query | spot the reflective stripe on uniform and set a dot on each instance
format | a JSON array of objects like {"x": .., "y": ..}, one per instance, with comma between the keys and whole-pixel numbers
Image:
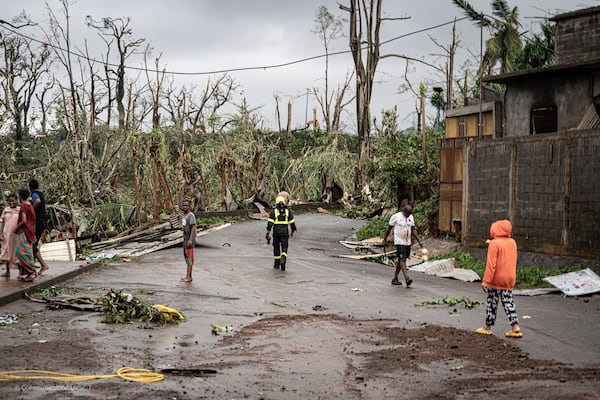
[{"x": 277, "y": 221}]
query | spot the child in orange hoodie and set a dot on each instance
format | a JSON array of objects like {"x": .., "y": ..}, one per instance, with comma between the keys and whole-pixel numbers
[{"x": 499, "y": 278}]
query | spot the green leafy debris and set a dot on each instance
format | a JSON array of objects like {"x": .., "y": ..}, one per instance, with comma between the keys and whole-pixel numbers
[
  {"x": 451, "y": 301},
  {"x": 47, "y": 292},
  {"x": 123, "y": 308}
]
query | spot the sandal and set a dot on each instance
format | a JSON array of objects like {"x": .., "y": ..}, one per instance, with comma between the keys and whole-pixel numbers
[
  {"x": 30, "y": 277},
  {"x": 5, "y": 275},
  {"x": 514, "y": 334},
  {"x": 483, "y": 331}
]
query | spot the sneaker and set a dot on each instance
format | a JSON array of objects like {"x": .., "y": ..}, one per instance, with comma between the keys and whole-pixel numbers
[
  {"x": 396, "y": 282},
  {"x": 408, "y": 282}
]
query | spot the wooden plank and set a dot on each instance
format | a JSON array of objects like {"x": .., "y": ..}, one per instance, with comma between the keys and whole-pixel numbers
[
  {"x": 367, "y": 256},
  {"x": 445, "y": 216},
  {"x": 166, "y": 240},
  {"x": 63, "y": 250}
]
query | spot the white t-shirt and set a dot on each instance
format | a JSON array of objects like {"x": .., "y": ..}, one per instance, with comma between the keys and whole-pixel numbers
[{"x": 402, "y": 228}]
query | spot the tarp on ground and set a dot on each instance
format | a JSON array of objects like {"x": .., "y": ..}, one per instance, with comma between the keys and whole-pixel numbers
[{"x": 577, "y": 283}]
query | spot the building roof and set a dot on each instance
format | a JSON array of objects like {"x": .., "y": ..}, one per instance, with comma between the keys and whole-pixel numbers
[
  {"x": 576, "y": 13},
  {"x": 528, "y": 73},
  {"x": 469, "y": 110}
]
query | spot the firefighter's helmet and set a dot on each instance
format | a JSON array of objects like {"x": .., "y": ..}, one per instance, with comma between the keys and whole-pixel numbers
[{"x": 280, "y": 200}]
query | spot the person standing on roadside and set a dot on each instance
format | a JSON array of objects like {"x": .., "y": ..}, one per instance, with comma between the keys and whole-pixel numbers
[
  {"x": 39, "y": 205},
  {"x": 279, "y": 219},
  {"x": 188, "y": 224},
  {"x": 25, "y": 231},
  {"x": 403, "y": 224},
  {"x": 500, "y": 277},
  {"x": 9, "y": 219}
]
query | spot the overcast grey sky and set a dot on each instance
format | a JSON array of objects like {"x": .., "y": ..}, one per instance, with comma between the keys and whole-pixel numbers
[{"x": 208, "y": 35}]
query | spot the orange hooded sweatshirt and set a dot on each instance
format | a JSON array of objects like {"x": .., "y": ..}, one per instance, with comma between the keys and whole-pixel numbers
[{"x": 501, "y": 265}]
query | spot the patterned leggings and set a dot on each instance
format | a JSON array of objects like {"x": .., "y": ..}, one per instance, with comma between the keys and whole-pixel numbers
[{"x": 492, "y": 305}]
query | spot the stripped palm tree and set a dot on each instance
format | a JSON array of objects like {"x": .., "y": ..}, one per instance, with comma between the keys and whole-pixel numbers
[{"x": 505, "y": 44}]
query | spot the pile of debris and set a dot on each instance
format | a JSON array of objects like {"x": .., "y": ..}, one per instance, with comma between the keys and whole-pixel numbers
[{"x": 374, "y": 250}]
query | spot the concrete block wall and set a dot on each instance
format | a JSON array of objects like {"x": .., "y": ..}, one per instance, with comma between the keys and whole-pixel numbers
[
  {"x": 547, "y": 185},
  {"x": 584, "y": 203},
  {"x": 577, "y": 37},
  {"x": 539, "y": 201},
  {"x": 488, "y": 188}
]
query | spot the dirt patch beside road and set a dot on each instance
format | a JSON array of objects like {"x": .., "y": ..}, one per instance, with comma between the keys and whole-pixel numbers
[
  {"x": 322, "y": 356},
  {"x": 335, "y": 357}
]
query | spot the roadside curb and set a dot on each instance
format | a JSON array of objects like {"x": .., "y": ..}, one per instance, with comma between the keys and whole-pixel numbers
[{"x": 20, "y": 293}]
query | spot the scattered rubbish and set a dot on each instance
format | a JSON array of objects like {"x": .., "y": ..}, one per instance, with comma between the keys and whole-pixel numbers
[
  {"x": 447, "y": 268},
  {"x": 58, "y": 302},
  {"x": 216, "y": 329},
  {"x": 458, "y": 367},
  {"x": 195, "y": 372},
  {"x": 526, "y": 317},
  {"x": 169, "y": 313},
  {"x": 64, "y": 250},
  {"x": 576, "y": 283},
  {"x": 367, "y": 256},
  {"x": 226, "y": 244},
  {"x": 363, "y": 244},
  {"x": 451, "y": 301},
  {"x": 454, "y": 312},
  {"x": 103, "y": 256},
  {"x": 319, "y": 307},
  {"x": 8, "y": 319},
  {"x": 357, "y": 289},
  {"x": 372, "y": 245},
  {"x": 158, "y": 237}
]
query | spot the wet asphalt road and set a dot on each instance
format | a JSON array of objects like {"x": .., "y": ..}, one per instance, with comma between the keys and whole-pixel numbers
[{"x": 236, "y": 285}]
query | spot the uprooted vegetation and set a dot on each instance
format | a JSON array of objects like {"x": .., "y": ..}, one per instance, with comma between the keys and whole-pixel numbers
[
  {"x": 151, "y": 173},
  {"x": 118, "y": 307}
]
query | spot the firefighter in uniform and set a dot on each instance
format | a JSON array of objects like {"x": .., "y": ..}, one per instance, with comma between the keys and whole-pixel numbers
[{"x": 279, "y": 219}]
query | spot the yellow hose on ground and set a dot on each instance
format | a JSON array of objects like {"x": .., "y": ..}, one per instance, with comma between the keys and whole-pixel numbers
[{"x": 125, "y": 373}]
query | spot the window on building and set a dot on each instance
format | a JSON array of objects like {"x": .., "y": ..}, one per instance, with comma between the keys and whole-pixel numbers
[
  {"x": 462, "y": 129},
  {"x": 543, "y": 120}
]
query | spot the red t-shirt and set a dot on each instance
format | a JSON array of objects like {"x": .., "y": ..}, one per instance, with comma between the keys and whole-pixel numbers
[{"x": 29, "y": 227}]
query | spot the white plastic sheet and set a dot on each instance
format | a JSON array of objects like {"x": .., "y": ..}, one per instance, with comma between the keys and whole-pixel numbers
[{"x": 576, "y": 283}]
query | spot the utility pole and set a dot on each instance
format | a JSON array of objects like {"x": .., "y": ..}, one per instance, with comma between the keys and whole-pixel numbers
[
  {"x": 306, "y": 111},
  {"x": 439, "y": 91},
  {"x": 423, "y": 127},
  {"x": 480, "y": 119}
]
